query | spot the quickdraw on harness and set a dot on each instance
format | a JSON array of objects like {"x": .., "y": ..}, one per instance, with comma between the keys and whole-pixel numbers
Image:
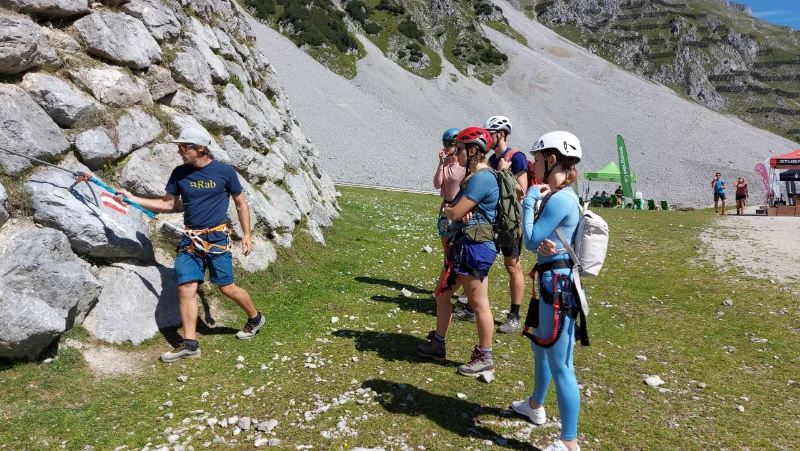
[{"x": 201, "y": 247}]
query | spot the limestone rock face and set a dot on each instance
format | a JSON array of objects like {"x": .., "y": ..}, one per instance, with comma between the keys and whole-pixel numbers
[
  {"x": 189, "y": 68},
  {"x": 70, "y": 207},
  {"x": 119, "y": 38},
  {"x": 160, "y": 82},
  {"x": 23, "y": 46},
  {"x": 136, "y": 129},
  {"x": 148, "y": 170},
  {"x": 44, "y": 290},
  {"x": 135, "y": 303},
  {"x": 159, "y": 20},
  {"x": 96, "y": 148},
  {"x": 55, "y": 9},
  {"x": 65, "y": 106},
  {"x": 26, "y": 129},
  {"x": 210, "y": 114},
  {"x": 112, "y": 86}
]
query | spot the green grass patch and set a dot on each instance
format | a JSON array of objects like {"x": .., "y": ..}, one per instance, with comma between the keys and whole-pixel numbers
[
  {"x": 507, "y": 30},
  {"x": 656, "y": 297}
]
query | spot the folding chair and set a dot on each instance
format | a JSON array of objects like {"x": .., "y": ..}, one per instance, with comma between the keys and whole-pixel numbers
[
  {"x": 664, "y": 205},
  {"x": 651, "y": 204}
]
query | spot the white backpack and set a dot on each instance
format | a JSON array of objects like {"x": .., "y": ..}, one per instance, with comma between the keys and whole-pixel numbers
[{"x": 591, "y": 245}]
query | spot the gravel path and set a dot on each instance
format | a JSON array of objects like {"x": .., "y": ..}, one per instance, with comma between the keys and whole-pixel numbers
[
  {"x": 765, "y": 246},
  {"x": 383, "y": 127}
]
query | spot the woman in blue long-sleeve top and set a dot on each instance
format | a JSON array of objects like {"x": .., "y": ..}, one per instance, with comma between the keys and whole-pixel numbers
[{"x": 551, "y": 320}]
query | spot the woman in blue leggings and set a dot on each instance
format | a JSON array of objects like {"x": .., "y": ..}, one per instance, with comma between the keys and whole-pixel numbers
[{"x": 551, "y": 319}]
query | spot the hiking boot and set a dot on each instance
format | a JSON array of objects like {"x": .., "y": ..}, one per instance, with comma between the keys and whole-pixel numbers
[
  {"x": 464, "y": 315},
  {"x": 537, "y": 416},
  {"x": 463, "y": 299},
  {"x": 511, "y": 325},
  {"x": 249, "y": 330},
  {"x": 558, "y": 445},
  {"x": 480, "y": 362},
  {"x": 181, "y": 352},
  {"x": 433, "y": 348}
]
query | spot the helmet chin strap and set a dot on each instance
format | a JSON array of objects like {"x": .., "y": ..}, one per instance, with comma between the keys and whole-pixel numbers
[{"x": 548, "y": 169}]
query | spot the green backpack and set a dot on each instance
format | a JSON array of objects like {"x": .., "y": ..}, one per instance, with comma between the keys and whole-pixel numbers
[{"x": 508, "y": 222}]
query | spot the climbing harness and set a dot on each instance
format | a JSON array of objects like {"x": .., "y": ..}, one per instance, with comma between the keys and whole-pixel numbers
[{"x": 201, "y": 247}]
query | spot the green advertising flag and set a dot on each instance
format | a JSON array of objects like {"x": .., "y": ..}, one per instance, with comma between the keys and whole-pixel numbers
[{"x": 624, "y": 168}]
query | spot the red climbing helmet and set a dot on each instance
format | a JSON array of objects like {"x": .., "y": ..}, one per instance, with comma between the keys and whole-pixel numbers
[{"x": 475, "y": 135}]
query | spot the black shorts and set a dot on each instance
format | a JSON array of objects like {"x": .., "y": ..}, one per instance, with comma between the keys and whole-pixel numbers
[
  {"x": 512, "y": 251},
  {"x": 718, "y": 196},
  {"x": 741, "y": 196}
]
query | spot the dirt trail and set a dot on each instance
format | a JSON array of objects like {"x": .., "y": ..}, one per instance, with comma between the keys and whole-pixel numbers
[{"x": 767, "y": 247}]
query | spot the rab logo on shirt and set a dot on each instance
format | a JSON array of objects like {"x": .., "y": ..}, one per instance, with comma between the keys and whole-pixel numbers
[{"x": 203, "y": 185}]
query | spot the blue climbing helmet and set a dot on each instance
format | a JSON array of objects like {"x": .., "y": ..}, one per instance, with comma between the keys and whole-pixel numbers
[{"x": 449, "y": 137}]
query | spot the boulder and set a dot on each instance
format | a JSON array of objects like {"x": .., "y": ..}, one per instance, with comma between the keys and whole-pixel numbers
[
  {"x": 4, "y": 215},
  {"x": 259, "y": 259},
  {"x": 119, "y": 38},
  {"x": 314, "y": 231},
  {"x": 64, "y": 105},
  {"x": 62, "y": 41},
  {"x": 267, "y": 167},
  {"x": 234, "y": 99},
  {"x": 190, "y": 68},
  {"x": 45, "y": 290},
  {"x": 61, "y": 203},
  {"x": 23, "y": 46},
  {"x": 300, "y": 188},
  {"x": 225, "y": 45},
  {"x": 136, "y": 129},
  {"x": 112, "y": 86},
  {"x": 96, "y": 148},
  {"x": 147, "y": 172},
  {"x": 160, "y": 82},
  {"x": 262, "y": 212},
  {"x": 273, "y": 116},
  {"x": 217, "y": 152},
  {"x": 211, "y": 115},
  {"x": 286, "y": 147},
  {"x": 215, "y": 65},
  {"x": 137, "y": 301},
  {"x": 51, "y": 9},
  {"x": 282, "y": 200},
  {"x": 159, "y": 20},
  {"x": 25, "y": 128},
  {"x": 320, "y": 213},
  {"x": 204, "y": 32}
]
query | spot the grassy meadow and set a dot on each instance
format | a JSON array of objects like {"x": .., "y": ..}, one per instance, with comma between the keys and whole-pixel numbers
[{"x": 357, "y": 380}]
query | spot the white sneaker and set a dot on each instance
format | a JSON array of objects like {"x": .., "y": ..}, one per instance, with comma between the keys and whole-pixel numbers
[
  {"x": 537, "y": 416},
  {"x": 558, "y": 445}
]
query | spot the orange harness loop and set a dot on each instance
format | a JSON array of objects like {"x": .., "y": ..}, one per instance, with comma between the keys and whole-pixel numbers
[{"x": 201, "y": 247}]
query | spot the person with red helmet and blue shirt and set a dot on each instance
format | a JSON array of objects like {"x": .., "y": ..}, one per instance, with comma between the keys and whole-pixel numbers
[{"x": 471, "y": 254}]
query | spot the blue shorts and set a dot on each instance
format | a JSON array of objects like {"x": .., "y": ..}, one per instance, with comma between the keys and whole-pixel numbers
[
  {"x": 190, "y": 267},
  {"x": 472, "y": 259}
]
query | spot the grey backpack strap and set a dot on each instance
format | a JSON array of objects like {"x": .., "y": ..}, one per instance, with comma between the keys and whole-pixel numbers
[{"x": 576, "y": 271}]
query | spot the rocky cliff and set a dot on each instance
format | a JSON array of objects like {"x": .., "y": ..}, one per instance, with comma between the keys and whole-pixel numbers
[{"x": 102, "y": 88}]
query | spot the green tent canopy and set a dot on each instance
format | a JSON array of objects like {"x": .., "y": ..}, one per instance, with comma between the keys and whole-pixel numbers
[{"x": 610, "y": 173}]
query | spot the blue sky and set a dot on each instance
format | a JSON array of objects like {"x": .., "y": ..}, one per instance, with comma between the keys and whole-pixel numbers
[{"x": 781, "y": 12}]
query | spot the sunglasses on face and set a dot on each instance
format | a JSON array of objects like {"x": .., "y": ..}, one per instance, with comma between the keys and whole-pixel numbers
[{"x": 185, "y": 147}]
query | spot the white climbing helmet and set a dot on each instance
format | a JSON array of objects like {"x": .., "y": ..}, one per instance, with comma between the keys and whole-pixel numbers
[
  {"x": 498, "y": 123},
  {"x": 564, "y": 143}
]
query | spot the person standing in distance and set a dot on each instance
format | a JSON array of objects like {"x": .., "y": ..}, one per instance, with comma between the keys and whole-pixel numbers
[
  {"x": 205, "y": 187},
  {"x": 499, "y": 127},
  {"x": 718, "y": 185},
  {"x": 741, "y": 195}
]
